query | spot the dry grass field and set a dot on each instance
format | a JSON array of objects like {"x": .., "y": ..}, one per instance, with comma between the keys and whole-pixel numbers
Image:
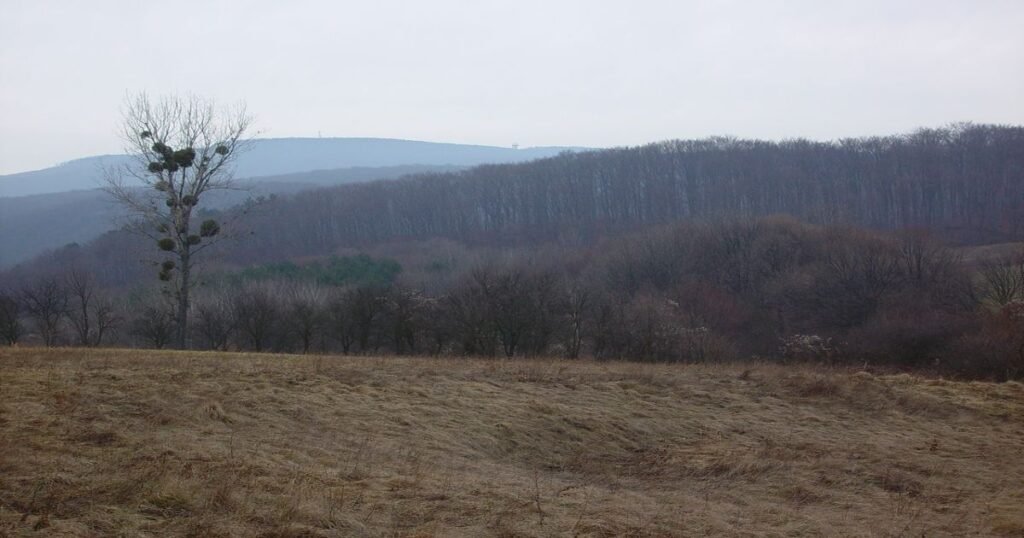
[{"x": 138, "y": 443}]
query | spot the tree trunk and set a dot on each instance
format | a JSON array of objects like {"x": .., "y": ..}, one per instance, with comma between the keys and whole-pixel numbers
[{"x": 181, "y": 339}]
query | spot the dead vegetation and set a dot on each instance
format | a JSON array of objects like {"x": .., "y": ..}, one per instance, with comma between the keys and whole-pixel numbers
[{"x": 123, "y": 442}]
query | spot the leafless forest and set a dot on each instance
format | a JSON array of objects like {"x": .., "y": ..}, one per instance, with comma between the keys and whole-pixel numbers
[
  {"x": 963, "y": 181},
  {"x": 865, "y": 251}
]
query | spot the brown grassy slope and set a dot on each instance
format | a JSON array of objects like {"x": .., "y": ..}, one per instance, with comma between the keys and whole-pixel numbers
[
  {"x": 105, "y": 442},
  {"x": 994, "y": 252}
]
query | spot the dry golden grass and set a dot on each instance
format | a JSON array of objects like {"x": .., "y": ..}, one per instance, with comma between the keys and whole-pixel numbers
[{"x": 134, "y": 443}]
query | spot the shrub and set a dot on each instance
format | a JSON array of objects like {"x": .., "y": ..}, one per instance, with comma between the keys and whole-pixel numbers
[
  {"x": 907, "y": 337},
  {"x": 995, "y": 351},
  {"x": 808, "y": 347}
]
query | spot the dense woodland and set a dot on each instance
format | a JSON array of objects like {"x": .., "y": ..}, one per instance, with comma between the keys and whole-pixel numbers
[{"x": 664, "y": 252}]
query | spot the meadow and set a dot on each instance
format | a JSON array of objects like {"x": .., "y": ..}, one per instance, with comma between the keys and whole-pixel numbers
[{"x": 103, "y": 442}]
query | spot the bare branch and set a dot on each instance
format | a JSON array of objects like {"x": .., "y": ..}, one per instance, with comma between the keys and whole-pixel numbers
[{"x": 182, "y": 148}]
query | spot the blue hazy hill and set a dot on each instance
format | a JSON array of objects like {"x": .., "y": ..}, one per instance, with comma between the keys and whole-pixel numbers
[{"x": 279, "y": 156}]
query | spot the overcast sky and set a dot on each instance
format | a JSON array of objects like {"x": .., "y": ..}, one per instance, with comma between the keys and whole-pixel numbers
[{"x": 593, "y": 73}]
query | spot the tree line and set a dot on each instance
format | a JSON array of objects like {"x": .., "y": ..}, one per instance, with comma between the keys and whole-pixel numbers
[
  {"x": 966, "y": 180},
  {"x": 772, "y": 288}
]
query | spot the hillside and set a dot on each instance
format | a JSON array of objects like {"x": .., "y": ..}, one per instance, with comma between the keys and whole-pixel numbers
[
  {"x": 276, "y": 156},
  {"x": 37, "y": 223},
  {"x": 102, "y": 442},
  {"x": 965, "y": 182}
]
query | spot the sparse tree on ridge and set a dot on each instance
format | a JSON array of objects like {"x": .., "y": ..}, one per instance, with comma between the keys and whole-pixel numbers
[{"x": 183, "y": 148}]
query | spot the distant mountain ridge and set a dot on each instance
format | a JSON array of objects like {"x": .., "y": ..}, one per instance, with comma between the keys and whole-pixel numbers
[
  {"x": 40, "y": 222},
  {"x": 280, "y": 156}
]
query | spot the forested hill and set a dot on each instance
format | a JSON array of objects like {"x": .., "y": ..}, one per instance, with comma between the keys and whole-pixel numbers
[{"x": 966, "y": 180}]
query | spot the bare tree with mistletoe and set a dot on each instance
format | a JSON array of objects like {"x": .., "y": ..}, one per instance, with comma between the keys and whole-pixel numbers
[{"x": 183, "y": 148}]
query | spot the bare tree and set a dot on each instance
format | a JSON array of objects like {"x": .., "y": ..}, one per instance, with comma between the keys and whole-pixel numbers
[
  {"x": 46, "y": 303},
  {"x": 577, "y": 300},
  {"x": 91, "y": 314},
  {"x": 366, "y": 304},
  {"x": 215, "y": 320},
  {"x": 10, "y": 323},
  {"x": 403, "y": 315},
  {"x": 183, "y": 148},
  {"x": 519, "y": 303},
  {"x": 1003, "y": 279},
  {"x": 340, "y": 319},
  {"x": 155, "y": 326},
  {"x": 467, "y": 314},
  {"x": 257, "y": 312},
  {"x": 306, "y": 312}
]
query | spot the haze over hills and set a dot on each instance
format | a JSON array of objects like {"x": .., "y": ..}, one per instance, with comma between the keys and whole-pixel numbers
[
  {"x": 964, "y": 181},
  {"x": 33, "y": 224},
  {"x": 277, "y": 156},
  {"x": 45, "y": 209}
]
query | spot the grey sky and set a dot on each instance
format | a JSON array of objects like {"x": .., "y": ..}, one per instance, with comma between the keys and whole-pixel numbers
[{"x": 595, "y": 73}]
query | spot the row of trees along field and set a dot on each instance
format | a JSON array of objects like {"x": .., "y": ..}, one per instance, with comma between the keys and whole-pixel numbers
[{"x": 773, "y": 288}]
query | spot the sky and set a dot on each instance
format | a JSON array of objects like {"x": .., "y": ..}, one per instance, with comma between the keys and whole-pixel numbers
[{"x": 582, "y": 73}]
